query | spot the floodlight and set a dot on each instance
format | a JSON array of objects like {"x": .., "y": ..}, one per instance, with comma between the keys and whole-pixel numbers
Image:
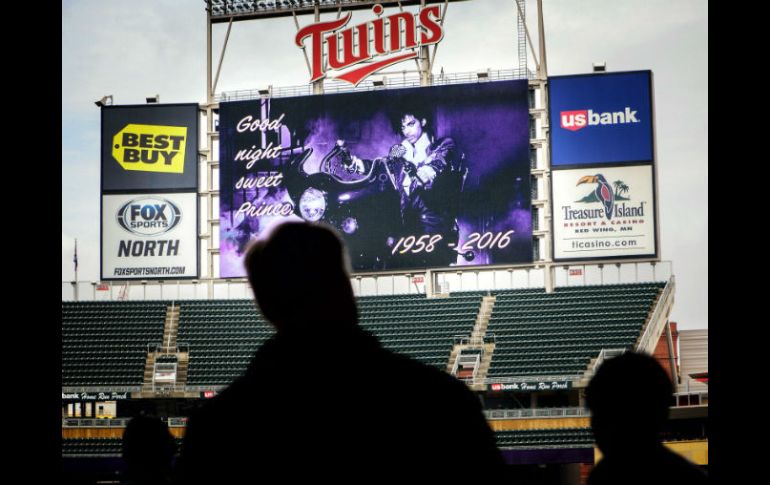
[{"x": 105, "y": 101}]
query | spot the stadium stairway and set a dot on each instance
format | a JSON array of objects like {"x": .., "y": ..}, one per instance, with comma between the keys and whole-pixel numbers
[
  {"x": 471, "y": 360},
  {"x": 168, "y": 353}
]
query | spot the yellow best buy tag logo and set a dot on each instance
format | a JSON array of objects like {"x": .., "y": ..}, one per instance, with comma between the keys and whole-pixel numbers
[{"x": 150, "y": 148}]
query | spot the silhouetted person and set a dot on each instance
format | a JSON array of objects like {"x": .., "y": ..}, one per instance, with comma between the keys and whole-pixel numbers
[
  {"x": 322, "y": 398},
  {"x": 629, "y": 399},
  {"x": 148, "y": 450}
]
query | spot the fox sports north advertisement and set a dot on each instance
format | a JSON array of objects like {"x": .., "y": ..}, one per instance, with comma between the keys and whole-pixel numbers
[{"x": 410, "y": 178}]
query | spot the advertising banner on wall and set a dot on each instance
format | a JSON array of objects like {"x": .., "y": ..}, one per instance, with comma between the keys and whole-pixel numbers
[
  {"x": 411, "y": 178},
  {"x": 530, "y": 386},
  {"x": 150, "y": 147},
  {"x": 604, "y": 212},
  {"x": 149, "y": 236},
  {"x": 601, "y": 118},
  {"x": 95, "y": 396}
]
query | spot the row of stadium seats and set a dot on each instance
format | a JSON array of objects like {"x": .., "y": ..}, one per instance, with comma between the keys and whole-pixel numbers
[
  {"x": 97, "y": 446},
  {"x": 524, "y": 438},
  {"x": 422, "y": 312},
  {"x": 575, "y": 322},
  {"x": 420, "y": 327},
  {"x": 105, "y": 343},
  {"x": 417, "y": 322},
  {"x": 534, "y": 438},
  {"x": 428, "y": 303},
  {"x": 222, "y": 336},
  {"x": 531, "y": 328}
]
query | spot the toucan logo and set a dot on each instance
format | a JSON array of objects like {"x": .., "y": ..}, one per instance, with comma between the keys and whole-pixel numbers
[
  {"x": 150, "y": 148},
  {"x": 579, "y": 119}
]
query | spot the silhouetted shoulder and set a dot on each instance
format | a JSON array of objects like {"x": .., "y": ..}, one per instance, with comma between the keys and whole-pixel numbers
[{"x": 661, "y": 468}]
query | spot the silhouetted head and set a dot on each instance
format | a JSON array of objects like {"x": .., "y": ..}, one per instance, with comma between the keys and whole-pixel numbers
[
  {"x": 148, "y": 448},
  {"x": 300, "y": 279},
  {"x": 629, "y": 399}
]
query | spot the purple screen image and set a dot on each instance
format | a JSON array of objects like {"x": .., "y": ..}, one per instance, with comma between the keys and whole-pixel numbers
[{"x": 410, "y": 178}]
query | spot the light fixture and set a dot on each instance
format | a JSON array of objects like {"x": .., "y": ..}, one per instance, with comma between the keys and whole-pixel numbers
[
  {"x": 105, "y": 101},
  {"x": 378, "y": 82},
  {"x": 483, "y": 75},
  {"x": 153, "y": 99},
  {"x": 264, "y": 90},
  {"x": 600, "y": 66}
]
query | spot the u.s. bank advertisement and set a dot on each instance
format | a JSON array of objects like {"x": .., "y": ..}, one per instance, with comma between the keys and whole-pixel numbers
[
  {"x": 601, "y": 118},
  {"x": 603, "y": 212},
  {"x": 149, "y": 236}
]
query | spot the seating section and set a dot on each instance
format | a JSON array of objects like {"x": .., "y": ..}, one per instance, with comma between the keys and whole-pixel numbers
[
  {"x": 545, "y": 438},
  {"x": 96, "y": 446},
  {"x": 105, "y": 343},
  {"x": 523, "y": 438},
  {"x": 539, "y": 334},
  {"x": 423, "y": 328},
  {"x": 536, "y": 334},
  {"x": 222, "y": 336}
]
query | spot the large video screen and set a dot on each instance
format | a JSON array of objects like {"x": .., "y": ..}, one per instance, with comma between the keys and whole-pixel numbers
[{"x": 411, "y": 178}]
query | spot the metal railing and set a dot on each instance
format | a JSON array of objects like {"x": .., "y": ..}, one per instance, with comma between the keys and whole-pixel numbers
[
  {"x": 94, "y": 423},
  {"x": 604, "y": 354},
  {"x": 224, "y": 9},
  {"x": 216, "y": 388},
  {"x": 461, "y": 278},
  {"x": 649, "y": 337},
  {"x": 394, "y": 81},
  {"x": 702, "y": 398},
  {"x": 177, "y": 422},
  {"x": 509, "y": 380},
  {"x": 97, "y": 389},
  {"x": 536, "y": 413}
]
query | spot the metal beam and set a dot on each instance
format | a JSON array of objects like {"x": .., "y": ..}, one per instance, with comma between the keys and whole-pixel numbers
[
  {"x": 326, "y": 6},
  {"x": 542, "y": 68},
  {"x": 222, "y": 56}
]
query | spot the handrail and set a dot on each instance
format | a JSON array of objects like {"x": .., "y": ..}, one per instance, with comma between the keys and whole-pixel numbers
[
  {"x": 650, "y": 335},
  {"x": 393, "y": 81},
  {"x": 660, "y": 271},
  {"x": 508, "y": 380},
  {"x": 173, "y": 422},
  {"x": 604, "y": 354},
  {"x": 71, "y": 389},
  {"x": 536, "y": 413}
]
